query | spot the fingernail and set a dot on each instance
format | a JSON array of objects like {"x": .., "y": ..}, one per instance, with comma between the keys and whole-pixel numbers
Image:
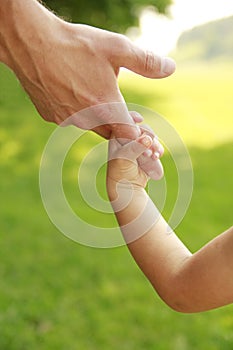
[
  {"x": 156, "y": 155},
  {"x": 161, "y": 150},
  {"x": 168, "y": 65},
  {"x": 146, "y": 141},
  {"x": 156, "y": 143},
  {"x": 148, "y": 153}
]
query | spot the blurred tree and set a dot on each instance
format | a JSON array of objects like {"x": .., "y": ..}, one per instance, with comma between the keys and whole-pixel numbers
[{"x": 115, "y": 15}]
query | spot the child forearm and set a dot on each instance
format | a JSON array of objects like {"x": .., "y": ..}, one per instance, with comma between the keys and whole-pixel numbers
[
  {"x": 158, "y": 252},
  {"x": 186, "y": 282}
]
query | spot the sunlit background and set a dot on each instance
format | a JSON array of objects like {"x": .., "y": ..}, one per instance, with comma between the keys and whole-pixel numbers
[
  {"x": 56, "y": 294},
  {"x": 160, "y": 33},
  {"x": 198, "y": 35}
]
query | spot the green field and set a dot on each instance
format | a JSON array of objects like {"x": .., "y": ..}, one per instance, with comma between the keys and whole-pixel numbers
[{"x": 56, "y": 294}]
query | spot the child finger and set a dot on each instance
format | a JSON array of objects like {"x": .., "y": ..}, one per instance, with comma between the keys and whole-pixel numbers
[
  {"x": 152, "y": 167},
  {"x": 146, "y": 129},
  {"x": 135, "y": 148},
  {"x": 157, "y": 148}
]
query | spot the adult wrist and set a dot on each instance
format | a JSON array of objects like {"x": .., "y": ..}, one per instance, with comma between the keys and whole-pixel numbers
[
  {"x": 4, "y": 11},
  {"x": 24, "y": 27}
]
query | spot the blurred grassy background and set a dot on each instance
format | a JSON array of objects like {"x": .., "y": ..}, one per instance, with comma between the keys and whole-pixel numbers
[{"x": 56, "y": 294}]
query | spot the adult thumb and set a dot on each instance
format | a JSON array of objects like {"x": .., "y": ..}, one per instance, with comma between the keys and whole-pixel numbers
[{"x": 145, "y": 62}]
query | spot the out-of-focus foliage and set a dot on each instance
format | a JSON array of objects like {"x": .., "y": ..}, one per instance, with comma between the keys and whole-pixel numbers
[
  {"x": 56, "y": 294},
  {"x": 211, "y": 41},
  {"x": 116, "y": 15}
]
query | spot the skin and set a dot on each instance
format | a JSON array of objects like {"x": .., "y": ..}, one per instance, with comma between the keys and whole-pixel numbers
[
  {"x": 186, "y": 282},
  {"x": 66, "y": 67}
]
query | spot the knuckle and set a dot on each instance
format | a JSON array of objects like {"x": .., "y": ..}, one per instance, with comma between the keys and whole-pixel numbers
[
  {"x": 57, "y": 119},
  {"x": 152, "y": 62},
  {"x": 121, "y": 41},
  {"x": 119, "y": 46},
  {"x": 145, "y": 128}
]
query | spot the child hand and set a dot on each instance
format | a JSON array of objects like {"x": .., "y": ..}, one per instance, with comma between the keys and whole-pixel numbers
[
  {"x": 122, "y": 160},
  {"x": 149, "y": 160}
]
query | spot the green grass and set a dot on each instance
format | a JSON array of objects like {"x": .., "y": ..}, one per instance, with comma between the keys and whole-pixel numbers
[
  {"x": 56, "y": 294},
  {"x": 197, "y": 100}
]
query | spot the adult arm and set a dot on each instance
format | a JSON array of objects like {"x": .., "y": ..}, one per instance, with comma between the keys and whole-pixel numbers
[
  {"x": 67, "y": 67},
  {"x": 186, "y": 282}
]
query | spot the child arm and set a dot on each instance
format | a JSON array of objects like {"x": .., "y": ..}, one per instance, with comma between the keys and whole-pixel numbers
[{"x": 186, "y": 282}]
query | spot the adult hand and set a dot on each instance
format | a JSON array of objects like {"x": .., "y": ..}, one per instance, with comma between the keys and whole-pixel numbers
[{"x": 66, "y": 68}]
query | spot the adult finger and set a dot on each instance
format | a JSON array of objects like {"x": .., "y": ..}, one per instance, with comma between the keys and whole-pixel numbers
[
  {"x": 107, "y": 118},
  {"x": 143, "y": 62},
  {"x": 105, "y": 130},
  {"x": 118, "y": 118}
]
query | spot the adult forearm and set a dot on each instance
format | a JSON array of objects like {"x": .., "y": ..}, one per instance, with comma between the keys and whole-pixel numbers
[
  {"x": 4, "y": 10},
  {"x": 29, "y": 45},
  {"x": 23, "y": 28}
]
